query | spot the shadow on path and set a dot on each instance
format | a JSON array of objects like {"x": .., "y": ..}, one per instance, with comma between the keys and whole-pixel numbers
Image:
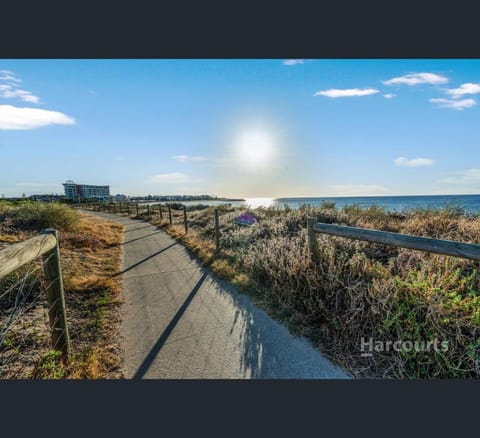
[
  {"x": 139, "y": 238},
  {"x": 144, "y": 260},
  {"x": 143, "y": 368},
  {"x": 138, "y": 228},
  {"x": 268, "y": 350}
]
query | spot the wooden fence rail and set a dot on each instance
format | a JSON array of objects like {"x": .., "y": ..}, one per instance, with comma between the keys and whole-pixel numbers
[
  {"x": 46, "y": 246},
  {"x": 16, "y": 255},
  {"x": 217, "y": 233},
  {"x": 445, "y": 247},
  {"x": 169, "y": 214},
  {"x": 147, "y": 209}
]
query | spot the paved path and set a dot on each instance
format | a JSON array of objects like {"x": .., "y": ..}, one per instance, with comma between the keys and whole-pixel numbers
[{"x": 181, "y": 322}]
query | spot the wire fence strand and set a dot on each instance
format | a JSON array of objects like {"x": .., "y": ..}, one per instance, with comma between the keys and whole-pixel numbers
[{"x": 22, "y": 304}]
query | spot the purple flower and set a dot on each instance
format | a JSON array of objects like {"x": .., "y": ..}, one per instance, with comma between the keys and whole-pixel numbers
[{"x": 245, "y": 219}]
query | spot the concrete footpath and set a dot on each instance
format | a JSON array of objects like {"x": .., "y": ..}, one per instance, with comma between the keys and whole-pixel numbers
[{"x": 179, "y": 322}]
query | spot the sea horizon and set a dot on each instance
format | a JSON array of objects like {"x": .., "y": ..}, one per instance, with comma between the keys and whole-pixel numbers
[{"x": 470, "y": 203}]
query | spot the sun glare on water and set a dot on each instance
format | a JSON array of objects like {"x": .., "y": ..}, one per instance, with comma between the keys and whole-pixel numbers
[{"x": 260, "y": 202}]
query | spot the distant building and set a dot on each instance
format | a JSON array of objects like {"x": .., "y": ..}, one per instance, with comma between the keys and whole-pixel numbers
[{"x": 85, "y": 191}]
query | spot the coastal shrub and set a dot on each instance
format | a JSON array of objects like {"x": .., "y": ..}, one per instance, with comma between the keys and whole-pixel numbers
[
  {"x": 375, "y": 212},
  {"x": 327, "y": 205},
  {"x": 352, "y": 210},
  {"x": 36, "y": 215}
]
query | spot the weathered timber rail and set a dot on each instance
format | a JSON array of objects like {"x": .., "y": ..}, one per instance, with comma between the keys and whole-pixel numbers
[
  {"x": 46, "y": 246},
  {"x": 445, "y": 247}
]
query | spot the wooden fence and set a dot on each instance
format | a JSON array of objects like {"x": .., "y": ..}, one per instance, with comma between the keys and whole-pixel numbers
[
  {"x": 149, "y": 210},
  {"x": 445, "y": 247},
  {"x": 46, "y": 246}
]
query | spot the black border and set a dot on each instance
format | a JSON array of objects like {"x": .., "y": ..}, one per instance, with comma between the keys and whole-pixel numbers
[
  {"x": 140, "y": 29},
  {"x": 234, "y": 408}
]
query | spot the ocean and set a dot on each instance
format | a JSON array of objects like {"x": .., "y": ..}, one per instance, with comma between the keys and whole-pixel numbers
[{"x": 469, "y": 203}]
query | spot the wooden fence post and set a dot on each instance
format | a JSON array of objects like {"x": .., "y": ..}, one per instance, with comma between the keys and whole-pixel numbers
[
  {"x": 148, "y": 210},
  {"x": 170, "y": 214},
  {"x": 55, "y": 297},
  {"x": 160, "y": 211},
  {"x": 185, "y": 218},
  {"x": 136, "y": 209},
  {"x": 217, "y": 233},
  {"x": 312, "y": 240}
]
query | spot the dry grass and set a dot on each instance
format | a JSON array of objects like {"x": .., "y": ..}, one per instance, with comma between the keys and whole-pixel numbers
[
  {"x": 90, "y": 255},
  {"x": 355, "y": 289}
]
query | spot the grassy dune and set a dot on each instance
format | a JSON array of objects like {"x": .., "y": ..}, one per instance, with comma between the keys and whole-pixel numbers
[
  {"x": 90, "y": 255},
  {"x": 356, "y": 289}
]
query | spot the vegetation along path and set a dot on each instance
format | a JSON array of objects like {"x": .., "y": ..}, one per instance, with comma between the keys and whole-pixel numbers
[{"x": 181, "y": 322}]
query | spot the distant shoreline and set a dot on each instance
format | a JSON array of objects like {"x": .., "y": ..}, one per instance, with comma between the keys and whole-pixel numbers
[
  {"x": 371, "y": 196},
  {"x": 468, "y": 203}
]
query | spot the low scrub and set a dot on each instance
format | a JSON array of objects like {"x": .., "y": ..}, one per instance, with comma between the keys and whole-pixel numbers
[{"x": 29, "y": 215}]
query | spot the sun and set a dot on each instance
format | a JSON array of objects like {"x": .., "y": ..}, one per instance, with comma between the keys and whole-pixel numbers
[{"x": 255, "y": 148}]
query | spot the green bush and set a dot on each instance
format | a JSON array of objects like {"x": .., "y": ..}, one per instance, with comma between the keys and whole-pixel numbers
[
  {"x": 352, "y": 210},
  {"x": 35, "y": 215},
  {"x": 327, "y": 205}
]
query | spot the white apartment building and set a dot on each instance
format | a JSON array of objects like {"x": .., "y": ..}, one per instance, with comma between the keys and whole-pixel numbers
[{"x": 85, "y": 191}]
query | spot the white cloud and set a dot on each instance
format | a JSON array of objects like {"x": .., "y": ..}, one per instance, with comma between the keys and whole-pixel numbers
[
  {"x": 389, "y": 95},
  {"x": 467, "y": 88},
  {"x": 22, "y": 118},
  {"x": 349, "y": 92},
  {"x": 464, "y": 177},
  {"x": 9, "y": 92},
  {"x": 456, "y": 104},
  {"x": 8, "y": 76},
  {"x": 170, "y": 178},
  {"x": 185, "y": 158},
  {"x": 417, "y": 78},
  {"x": 293, "y": 61},
  {"x": 413, "y": 162},
  {"x": 16, "y": 118},
  {"x": 357, "y": 189}
]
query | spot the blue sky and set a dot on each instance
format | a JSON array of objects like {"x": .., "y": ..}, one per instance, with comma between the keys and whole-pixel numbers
[{"x": 249, "y": 128}]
